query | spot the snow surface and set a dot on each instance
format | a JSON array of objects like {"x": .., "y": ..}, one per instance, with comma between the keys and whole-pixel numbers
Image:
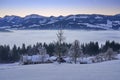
[
  {"x": 107, "y": 26},
  {"x": 118, "y": 22},
  {"x": 109, "y": 70},
  {"x": 109, "y": 23},
  {"x": 118, "y": 56},
  {"x": 74, "y": 17},
  {"x": 42, "y": 21},
  {"x": 52, "y": 21},
  {"x": 98, "y": 17},
  {"x": 30, "y": 37},
  {"x": 33, "y": 25}
]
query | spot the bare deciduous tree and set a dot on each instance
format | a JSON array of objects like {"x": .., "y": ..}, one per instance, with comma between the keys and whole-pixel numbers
[
  {"x": 42, "y": 52},
  {"x": 75, "y": 51},
  {"x": 60, "y": 40},
  {"x": 110, "y": 54}
]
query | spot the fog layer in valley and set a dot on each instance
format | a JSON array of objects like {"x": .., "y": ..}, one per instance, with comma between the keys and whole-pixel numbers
[{"x": 30, "y": 37}]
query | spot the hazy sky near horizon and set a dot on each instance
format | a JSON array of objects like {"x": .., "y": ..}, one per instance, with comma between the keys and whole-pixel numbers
[{"x": 58, "y": 7}]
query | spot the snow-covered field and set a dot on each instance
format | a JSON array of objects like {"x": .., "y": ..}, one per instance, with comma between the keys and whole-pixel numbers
[
  {"x": 33, "y": 36},
  {"x": 109, "y": 70}
]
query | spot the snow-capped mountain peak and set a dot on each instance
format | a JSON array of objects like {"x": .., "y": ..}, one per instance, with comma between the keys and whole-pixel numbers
[
  {"x": 33, "y": 16},
  {"x": 10, "y": 18}
]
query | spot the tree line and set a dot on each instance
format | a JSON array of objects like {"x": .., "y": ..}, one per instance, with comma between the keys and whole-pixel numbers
[{"x": 13, "y": 54}]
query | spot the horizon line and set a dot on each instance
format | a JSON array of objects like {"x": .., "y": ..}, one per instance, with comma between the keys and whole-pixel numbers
[{"x": 61, "y": 15}]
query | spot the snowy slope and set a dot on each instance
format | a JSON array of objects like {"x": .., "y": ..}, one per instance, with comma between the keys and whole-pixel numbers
[{"x": 99, "y": 71}]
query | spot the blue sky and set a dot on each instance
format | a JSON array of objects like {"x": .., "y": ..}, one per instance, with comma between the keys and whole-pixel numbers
[{"x": 58, "y": 7}]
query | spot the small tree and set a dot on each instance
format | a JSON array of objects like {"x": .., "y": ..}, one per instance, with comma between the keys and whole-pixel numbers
[
  {"x": 60, "y": 40},
  {"x": 42, "y": 52},
  {"x": 75, "y": 51},
  {"x": 110, "y": 54}
]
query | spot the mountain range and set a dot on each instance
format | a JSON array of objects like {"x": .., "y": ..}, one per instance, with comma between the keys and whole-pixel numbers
[{"x": 79, "y": 21}]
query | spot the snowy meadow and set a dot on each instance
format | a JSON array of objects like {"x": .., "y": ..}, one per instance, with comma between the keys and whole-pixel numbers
[
  {"x": 30, "y": 37},
  {"x": 99, "y": 71}
]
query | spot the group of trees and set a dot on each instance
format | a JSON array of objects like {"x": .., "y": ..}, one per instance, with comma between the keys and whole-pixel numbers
[
  {"x": 9, "y": 55},
  {"x": 13, "y": 54}
]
